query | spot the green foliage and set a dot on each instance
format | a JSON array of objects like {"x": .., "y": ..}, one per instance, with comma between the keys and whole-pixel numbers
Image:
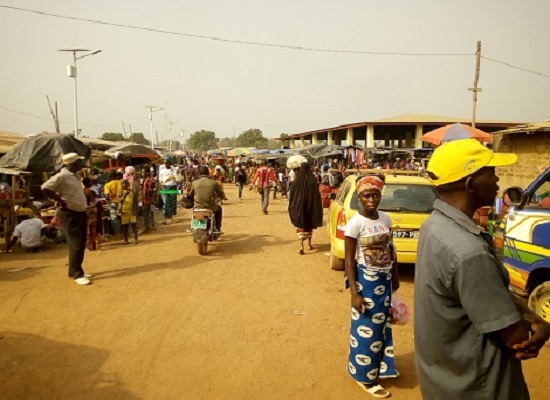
[
  {"x": 273, "y": 144},
  {"x": 138, "y": 137},
  {"x": 113, "y": 136},
  {"x": 227, "y": 142},
  {"x": 202, "y": 141},
  {"x": 251, "y": 138}
]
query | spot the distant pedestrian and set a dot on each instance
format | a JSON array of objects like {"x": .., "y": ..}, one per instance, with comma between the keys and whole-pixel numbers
[
  {"x": 304, "y": 205},
  {"x": 128, "y": 213},
  {"x": 240, "y": 176},
  {"x": 168, "y": 179},
  {"x": 91, "y": 211},
  {"x": 148, "y": 193},
  {"x": 265, "y": 178},
  {"x": 66, "y": 189},
  {"x": 111, "y": 191}
]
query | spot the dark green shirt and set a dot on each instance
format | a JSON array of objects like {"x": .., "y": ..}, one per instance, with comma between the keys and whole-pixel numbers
[
  {"x": 204, "y": 190},
  {"x": 461, "y": 301}
]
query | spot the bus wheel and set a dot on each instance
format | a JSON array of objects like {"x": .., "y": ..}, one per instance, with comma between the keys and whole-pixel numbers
[{"x": 539, "y": 301}]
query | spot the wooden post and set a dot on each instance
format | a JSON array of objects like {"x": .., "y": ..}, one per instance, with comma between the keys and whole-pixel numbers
[{"x": 475, "y": 89}]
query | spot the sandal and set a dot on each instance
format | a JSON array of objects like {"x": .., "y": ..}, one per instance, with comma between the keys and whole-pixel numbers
[{"x": 376, "y": 391}]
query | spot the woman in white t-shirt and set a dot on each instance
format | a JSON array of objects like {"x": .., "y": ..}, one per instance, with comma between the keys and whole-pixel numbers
[{"x": 370, "y": 264}]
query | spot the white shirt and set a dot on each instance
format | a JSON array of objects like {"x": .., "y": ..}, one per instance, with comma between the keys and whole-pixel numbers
[
  {"x": 168, "y": 176},
  {"x": 69, "y": 188},
  {"x": 291, "y": 175},
  {"x": 373, "y": 240},
  {"x": 29, "y": 233}
]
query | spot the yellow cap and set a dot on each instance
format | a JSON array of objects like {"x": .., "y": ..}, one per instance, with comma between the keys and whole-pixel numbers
[
  {"x": 24, "y": 211},
  {"x": 457, "y": 159}
]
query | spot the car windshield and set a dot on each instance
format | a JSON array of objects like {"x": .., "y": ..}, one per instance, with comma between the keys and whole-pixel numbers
[{"x": 405, "y": 198}]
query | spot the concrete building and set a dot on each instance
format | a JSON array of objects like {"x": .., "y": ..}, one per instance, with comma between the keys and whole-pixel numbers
[
  {"x": 531, "y": 143},
  {"x": 399, "y": 132}
]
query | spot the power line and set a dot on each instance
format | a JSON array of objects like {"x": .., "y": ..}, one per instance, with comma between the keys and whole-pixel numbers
[
  {"x": 515, "y": 67},
  {"x": 220, "y": 39},
  {"x": 282, "y": 46},
  {"x": 49, "y": 119}
]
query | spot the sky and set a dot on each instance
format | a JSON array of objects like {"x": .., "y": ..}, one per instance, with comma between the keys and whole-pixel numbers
[{"x": 229, "y": 87}]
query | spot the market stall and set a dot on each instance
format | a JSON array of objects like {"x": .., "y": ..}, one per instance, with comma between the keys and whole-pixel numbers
[{"x": 14, "y": 193}]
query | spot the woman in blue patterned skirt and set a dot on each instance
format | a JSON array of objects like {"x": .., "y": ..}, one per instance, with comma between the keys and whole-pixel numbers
[{"x": 371, "y": 275}]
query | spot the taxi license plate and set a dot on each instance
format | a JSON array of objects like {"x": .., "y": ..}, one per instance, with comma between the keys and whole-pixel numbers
[
  {"x": 402, "y": 234},
  {"x": 199, "y": 224}
]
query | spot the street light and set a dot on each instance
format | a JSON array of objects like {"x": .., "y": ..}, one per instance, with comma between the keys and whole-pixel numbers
[
  {"x": 71, "y": 72},
  {"x": 152, "y": 109}
]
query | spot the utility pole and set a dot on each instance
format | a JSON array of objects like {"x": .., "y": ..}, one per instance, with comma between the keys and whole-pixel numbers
[
  {"x": 124, "y": 130},
  {"x": 152, "y": 109},
  {"x": 54, "y": 115},
  {"x": 170, "y": 123},
  {"x": 71, "y": 73},
  {"x": 475, "y": 89}
]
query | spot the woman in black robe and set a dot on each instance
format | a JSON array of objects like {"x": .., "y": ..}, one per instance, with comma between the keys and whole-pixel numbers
[{"x": 304, "y": 205}]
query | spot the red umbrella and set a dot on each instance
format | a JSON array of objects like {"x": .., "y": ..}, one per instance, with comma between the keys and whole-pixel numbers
[{"x": 456, "y": 131}]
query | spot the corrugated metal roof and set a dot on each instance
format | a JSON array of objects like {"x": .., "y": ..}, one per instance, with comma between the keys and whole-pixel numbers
[
  {"x": 527, "y": 128},
  {"x": 409, "y": 119},
  {"x": 8, "y": 140}
]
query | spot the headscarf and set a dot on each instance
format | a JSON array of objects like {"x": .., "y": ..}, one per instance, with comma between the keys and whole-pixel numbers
[
  {"x": 304, "y": 202},
  {"x": 369, "y": 182},
  {"x": 129, "y": 172},
  {"x": 169, "y": 159}
]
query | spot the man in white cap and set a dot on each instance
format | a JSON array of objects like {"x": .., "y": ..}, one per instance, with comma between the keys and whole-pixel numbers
[{"x": 66, "y": 189}]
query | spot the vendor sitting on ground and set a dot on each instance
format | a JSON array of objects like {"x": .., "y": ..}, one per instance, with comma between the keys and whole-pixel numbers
[{"x": 28, "y": 231}]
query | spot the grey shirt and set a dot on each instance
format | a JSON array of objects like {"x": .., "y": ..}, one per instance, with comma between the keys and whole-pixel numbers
[
  {"x": 69, "y": 188},
  {"x": 461, "y": 300}
]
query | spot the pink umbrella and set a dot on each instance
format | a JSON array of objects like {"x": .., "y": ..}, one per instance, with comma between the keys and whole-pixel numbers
[{"x": 456, "y": 131}]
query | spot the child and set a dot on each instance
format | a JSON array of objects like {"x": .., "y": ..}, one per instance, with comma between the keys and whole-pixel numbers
[
  {"x": 91, "y": 210},
  {"x": 128, "y": 212}
]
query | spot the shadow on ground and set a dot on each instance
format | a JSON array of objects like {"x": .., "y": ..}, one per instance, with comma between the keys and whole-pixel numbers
[{"x": 34, "y": 367}]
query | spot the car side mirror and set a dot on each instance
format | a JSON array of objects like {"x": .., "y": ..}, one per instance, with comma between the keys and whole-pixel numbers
[
  {"x": 332, "y": 196},
  {"x": 513, "y": 196}
]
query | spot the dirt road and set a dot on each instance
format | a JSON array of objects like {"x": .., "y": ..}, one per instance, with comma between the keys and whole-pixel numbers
[{"x": 251, "y": 320}]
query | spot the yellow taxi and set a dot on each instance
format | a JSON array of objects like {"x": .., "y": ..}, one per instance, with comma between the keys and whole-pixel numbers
[{"x": 407, "y": 198}]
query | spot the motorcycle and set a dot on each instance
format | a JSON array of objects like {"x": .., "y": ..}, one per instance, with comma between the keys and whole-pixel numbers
[{"x": 202, "y": 228}]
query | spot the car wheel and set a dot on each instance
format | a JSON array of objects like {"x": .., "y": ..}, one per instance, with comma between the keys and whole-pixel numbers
[
  {"x": 539, "y": 301},
  {"x": 335, "y": 263}
]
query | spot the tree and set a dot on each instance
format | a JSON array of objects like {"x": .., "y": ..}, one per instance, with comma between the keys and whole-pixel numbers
[
  {"x": 251, "y": 138},
  {"x": 202, "y": 141},
  {"x": 227, "y": 142},
  {"x": 138, "y": 137},
  {"x": 273, "y": 144},
  {"x": 113, "y": 136}
]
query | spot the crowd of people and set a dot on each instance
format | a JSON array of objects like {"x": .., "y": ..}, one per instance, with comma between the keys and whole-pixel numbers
[{"x": 470, "y": 335}]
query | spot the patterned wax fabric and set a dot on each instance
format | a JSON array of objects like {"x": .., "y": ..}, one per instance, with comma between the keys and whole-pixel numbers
[
  {"x": 371, "y": 343},
  {"x": 169, "y": 202}
]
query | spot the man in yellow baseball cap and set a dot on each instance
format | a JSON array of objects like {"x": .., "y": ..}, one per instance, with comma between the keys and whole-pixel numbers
[
  {"x": 464, "y": 315},
  {"x": 455, "y": 160}
]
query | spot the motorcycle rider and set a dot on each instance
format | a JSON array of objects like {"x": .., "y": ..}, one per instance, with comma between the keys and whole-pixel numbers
[{"x": 205, "y": 191}]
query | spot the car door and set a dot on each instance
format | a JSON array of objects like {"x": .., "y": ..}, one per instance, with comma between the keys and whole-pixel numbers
[{"x": 527, "y": 235}]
